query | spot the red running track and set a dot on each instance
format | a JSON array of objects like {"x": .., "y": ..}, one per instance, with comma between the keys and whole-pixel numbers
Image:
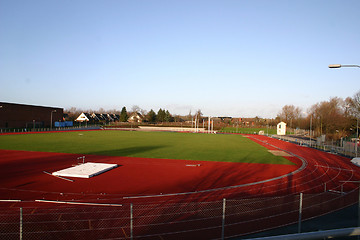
[
  {"x": 22, "y": 176},
  {"x": 175, "y": 200}
]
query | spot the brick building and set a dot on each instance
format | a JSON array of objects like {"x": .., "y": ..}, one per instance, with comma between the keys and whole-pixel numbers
[{"x": 14, "y": 115}]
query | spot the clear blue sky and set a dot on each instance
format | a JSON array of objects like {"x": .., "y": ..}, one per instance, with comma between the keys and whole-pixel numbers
[{"x": 234, "y": 58}]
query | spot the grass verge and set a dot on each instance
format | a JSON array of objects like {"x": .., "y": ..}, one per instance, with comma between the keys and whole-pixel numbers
[{"x": 166, "y": 145}]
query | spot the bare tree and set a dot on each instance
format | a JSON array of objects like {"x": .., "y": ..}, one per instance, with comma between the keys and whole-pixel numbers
[
  {"x": 73, "y": 113},
  {"x": 189, "y": 116},
  {"x": 198, "y": 113},
  {"x": 143, "y": 112},
  {"x": 354, "y": 105},
  {"x": 291, "y": 115},
  {"x": 135, "y": 108},
  {"x": 329, "y": 118},
  {"x": 353, "y": 111}
]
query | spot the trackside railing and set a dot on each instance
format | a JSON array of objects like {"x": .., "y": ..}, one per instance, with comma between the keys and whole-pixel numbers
[
  {"x": 29, "y": 130},
  {"x": 220, "y": 219},
  {"x": 345, "y": 148},
  {"x": 335, "y": 233}
]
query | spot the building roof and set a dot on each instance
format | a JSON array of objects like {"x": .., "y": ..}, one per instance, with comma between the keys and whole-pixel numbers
[{"x": 97, "y": 117}]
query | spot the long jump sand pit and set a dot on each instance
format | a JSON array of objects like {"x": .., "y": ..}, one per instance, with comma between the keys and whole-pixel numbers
[
  {"x": 86, "y": 170},
  {"x": 280, "y": 153}
]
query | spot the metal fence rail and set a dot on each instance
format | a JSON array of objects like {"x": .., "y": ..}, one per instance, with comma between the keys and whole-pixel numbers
[
  {"x": 29, "y": 130},
  {"x": 343, "y": 148},
  {"x": 222, "y": 219}
]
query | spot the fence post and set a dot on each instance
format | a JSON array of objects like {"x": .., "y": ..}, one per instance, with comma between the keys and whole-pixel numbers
[
  {"x": 300, "y": 212},
  {"x": 359, "y": 212},
  {"x": 223, "y": 220},
  {"x": 131, "y": 221},
  {"x": 21, "y": 223},
  {"x": 359, "y": 208}
]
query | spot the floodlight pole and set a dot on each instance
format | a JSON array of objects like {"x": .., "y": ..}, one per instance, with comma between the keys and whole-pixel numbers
[
  {"x": 310, "y": 128},
  {"x": 341, "y": 65},
  {"x": 357, "y": 119},
  {"x": 357, "y": 136}
]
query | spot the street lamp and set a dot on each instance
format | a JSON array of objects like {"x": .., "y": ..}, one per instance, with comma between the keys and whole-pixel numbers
[
  {"x": 340, "y": 66},
  {"x": 357, "y": 118},
  {"x": 51, "y": 118},
  {"x": 310, "y": 128},
  {"x": 357, "y": 136}
]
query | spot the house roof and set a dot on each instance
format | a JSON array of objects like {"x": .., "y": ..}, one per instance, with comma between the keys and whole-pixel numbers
[
  {"x": 136, "y": 114},
  {"x": 98, "y": 117},
  {"x": 83, "y": 117}
]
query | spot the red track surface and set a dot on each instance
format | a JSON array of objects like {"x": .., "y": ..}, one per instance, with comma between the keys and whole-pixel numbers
[
  {"x": 22, "y": 176},
  {"x": 322, "y": 168},
  {"x": 144, "y": 181}
]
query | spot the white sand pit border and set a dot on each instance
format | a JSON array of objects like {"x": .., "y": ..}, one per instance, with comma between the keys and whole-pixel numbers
[
  {"x": 280, "y": 153},
  {"x": 356, "y": 161},
  {"x": 86, "y": 170}
]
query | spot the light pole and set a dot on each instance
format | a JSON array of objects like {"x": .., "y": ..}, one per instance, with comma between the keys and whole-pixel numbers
[
  {"x": 310, "y": 128},
  {"x": 357, "y": 137},
  {"x": 51, "y": 118},
  {"x": 341, "y": 65},
  {"x": 357, "y": 117}
]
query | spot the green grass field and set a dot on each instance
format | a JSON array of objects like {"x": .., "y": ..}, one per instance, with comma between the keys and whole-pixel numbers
[
  {"x": 166, "y": 145},
  {"x": 270, "y": 131},
  {"x": 248, "y": 130}
]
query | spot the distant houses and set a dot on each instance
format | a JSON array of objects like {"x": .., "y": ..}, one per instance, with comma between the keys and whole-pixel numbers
[
  {"x": 97, "y": 117},
  {"x": 134, "y": 117}
]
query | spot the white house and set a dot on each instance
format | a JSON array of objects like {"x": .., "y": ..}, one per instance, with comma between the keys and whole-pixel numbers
[
  {"x": 135, "y": 117},
  {"x": 82, "y": 118},
  {"x": 281, "y": 128}
]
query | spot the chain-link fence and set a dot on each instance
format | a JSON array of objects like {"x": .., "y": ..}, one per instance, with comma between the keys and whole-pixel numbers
[
  {"x": 222, "y": 219},
  {"x": 41, "y": 129},
  {"x": 345, "y": 148}
]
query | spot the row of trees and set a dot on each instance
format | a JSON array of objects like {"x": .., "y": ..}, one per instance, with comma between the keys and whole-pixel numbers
[
  {"x": 162, "y": 115},
  {"x": 336, "y": 118}
]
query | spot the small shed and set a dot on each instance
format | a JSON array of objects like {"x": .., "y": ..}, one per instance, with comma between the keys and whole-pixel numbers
[{"x": 281, "y": 128}]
